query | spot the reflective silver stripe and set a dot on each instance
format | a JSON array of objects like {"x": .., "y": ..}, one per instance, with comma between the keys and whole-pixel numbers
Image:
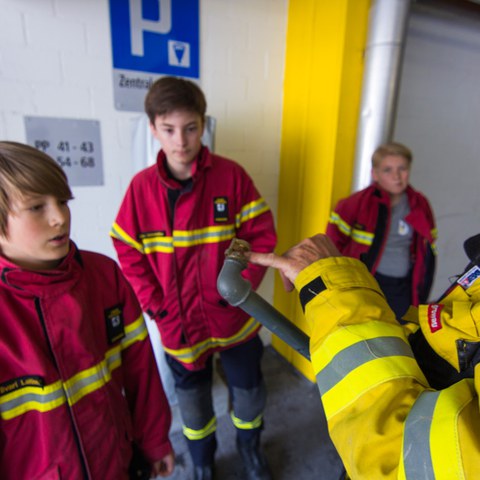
[
  {"x": 357, "y": 355},
  {"x": 244, "y": 425},
  {"x": 56, "y": 397},
  {"x": 120, "y": 234},
  {"x": 416, "y": 443},
  {"x": 198, "y": 236},
  {"x": 362, "y": 237},
  {"x": 95, "y": 377},
  {"x": 134, "y": 332},
  {"x": 79, "y": 385},
  {"x": 113, "y": 356},
  {"x": 164, "y": 242},
  {"x": 191, "y": 354},
  {"x": 202, "y": 433},
  {"x": 253, "y": 209},
  {"x": 51, "y": 396},
  {"x": 343, "y": 226}
]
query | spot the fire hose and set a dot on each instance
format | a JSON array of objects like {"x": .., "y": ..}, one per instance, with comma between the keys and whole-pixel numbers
[{"x": 237, "y": 291}]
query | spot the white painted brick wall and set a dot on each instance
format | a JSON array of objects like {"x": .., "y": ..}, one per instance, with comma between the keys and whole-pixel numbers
[{"x": 55, "y": 60}]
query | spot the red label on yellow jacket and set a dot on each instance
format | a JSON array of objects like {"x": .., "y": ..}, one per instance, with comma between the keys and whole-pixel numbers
[{"x": 434, "y": 317}]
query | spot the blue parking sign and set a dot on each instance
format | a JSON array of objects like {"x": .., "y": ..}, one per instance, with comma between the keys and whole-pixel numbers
[{"x": 156, "y": 36}]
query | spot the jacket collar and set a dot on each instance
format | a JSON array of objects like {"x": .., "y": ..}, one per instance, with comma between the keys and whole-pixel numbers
[
  {"x": 385, "y": 197},
  {"x": 201, "y": 163},
  {"x": 43, "y": 283}
]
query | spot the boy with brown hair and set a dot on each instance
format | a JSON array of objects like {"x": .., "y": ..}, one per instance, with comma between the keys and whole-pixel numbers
[
  {"x": 391, "y": 228},
  {"x": 173, "y": 227},
  {"x": 78, "y": 380}
]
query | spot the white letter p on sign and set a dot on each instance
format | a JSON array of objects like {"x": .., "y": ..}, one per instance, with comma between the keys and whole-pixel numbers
[{"x": 138, "y": 24}]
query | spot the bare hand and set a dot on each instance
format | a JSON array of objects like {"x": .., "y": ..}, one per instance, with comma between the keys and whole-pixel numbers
[
  {"x": 163, "y": 467},
  {"x": 294, "y": 260}
]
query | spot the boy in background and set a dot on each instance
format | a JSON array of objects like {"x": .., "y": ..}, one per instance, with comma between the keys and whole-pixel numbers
[
  {"x": 171, "y": 232},
  {"x": 78, "y": 380},
  {"x": 390, "y": 227}
]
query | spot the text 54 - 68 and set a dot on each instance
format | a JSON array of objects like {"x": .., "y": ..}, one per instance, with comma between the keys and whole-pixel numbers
[{"x": 86, "y": 162}]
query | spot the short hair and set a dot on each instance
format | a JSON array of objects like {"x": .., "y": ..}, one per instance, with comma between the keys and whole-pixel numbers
[
  {"x": 26, "y": 170},
  {"x": 391, "y": 148},
  {"x": 171, "y": 93}
]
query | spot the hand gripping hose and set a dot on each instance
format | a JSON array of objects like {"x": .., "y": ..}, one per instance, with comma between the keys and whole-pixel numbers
[{"x": 237, "y": 291}]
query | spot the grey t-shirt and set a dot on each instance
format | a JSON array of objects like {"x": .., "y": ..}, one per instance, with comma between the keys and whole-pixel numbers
[{"x": 395, "y": 261}]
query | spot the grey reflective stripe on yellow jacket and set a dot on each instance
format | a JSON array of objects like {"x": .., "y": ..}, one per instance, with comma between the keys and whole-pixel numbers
[
  {"x": 430, "y": 449},
  {"x": 430, "y": 445},
  {"x": 363, "y": 353},
  {"x": 357, "y": 355}
]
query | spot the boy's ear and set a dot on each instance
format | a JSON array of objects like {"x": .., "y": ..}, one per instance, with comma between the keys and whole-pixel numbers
[
  {"x": 153, "y": 130},
  {"x": 374, "y": 174}
]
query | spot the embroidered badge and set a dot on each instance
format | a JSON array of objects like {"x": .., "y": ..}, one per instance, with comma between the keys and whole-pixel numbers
[
  {"x": 220, "y": 209},
  {"x": 434, "y": 317},
  {"x": 467, "y": 279},
  {"x": 403, "y": 228},
  {"x": 115, "y": 324},
  {"x": 21, "y": 382}
]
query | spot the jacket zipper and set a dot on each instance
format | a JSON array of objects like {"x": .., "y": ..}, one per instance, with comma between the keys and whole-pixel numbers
[
  {"x": 177, "y": 287},
  {"x": 76, "y": 436}
]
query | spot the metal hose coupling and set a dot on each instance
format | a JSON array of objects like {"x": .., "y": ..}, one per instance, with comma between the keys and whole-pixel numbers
[
  {"x": 230, "y": 284},
  {"x": 237, "y": 291}
]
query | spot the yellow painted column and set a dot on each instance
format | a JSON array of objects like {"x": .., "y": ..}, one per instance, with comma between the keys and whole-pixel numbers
[{"x": 322, "y": 89}]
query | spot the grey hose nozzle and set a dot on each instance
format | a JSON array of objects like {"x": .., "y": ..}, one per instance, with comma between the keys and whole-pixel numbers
[{"x": 237, "y": 291}]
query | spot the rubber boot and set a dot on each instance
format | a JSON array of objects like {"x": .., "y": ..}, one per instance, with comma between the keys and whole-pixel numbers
[
  {"x": 254, "y": 461},
  {"x": 203, "y": 472}
]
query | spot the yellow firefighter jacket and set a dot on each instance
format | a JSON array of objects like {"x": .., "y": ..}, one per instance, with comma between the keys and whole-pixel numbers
[{"x": 384, "y": 419}]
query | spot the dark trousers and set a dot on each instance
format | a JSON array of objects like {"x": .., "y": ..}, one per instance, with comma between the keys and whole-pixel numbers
[
  {"x": 398, "y": 292},
  {"x": 241, "y": 365}
]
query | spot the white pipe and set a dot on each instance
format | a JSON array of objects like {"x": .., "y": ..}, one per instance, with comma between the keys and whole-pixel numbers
[{"x": 383, "y": 60}]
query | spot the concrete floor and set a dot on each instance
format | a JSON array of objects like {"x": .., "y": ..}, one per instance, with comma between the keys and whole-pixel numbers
[{"x": 295, "y": 438}]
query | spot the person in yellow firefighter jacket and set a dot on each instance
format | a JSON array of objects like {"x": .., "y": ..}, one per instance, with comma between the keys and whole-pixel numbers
[{"x": 384, "y": 417}]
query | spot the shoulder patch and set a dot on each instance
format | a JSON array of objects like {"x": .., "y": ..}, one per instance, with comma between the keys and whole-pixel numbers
[
  {"x": 467, "y": 279},
  {"x": 114, "y": 323},
  {"x": 220, "y": 209},
  {"x": 434, "y": 317}
]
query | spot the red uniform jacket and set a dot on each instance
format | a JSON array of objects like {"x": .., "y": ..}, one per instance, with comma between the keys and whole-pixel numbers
[
  {"x": 358, "y": 227},
  {"x": 172, "y": 252},
  {"x": 78, "y": 380}
]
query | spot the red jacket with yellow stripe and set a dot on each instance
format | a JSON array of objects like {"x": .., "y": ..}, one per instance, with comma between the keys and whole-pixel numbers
[
  {"x": 75, "y": 362},
  {"x": 172, "y": 251},
  {"x": 360, "y": 223}
]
